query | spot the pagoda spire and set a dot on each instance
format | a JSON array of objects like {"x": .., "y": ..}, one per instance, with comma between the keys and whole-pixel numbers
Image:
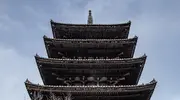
[{"x": 90, "y": 18}]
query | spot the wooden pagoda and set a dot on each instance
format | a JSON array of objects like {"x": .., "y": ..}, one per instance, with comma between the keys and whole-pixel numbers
[{"x": 90, "y": 62}]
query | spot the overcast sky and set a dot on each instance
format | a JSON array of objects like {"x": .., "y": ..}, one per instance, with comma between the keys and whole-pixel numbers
[{"x": 24, "y": 22}]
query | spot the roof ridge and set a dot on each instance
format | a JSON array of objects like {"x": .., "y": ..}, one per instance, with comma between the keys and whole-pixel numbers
[
  {"x": 138, "y": 85},
  {"x": 120, "y": 24},
  {"x": 38, "y": 57},
  {"x": 134, "y": 37}
]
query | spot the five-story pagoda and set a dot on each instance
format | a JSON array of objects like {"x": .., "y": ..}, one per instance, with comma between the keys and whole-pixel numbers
[{"x": 90, "y": 62}]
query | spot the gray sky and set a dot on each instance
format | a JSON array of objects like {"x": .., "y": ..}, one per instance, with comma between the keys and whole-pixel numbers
[{"x": 24, "y": 22}]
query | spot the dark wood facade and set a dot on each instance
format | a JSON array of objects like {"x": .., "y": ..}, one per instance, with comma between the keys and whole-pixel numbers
[
  {"x": 91, "y": 62},
  {"x": 112, "y": 71},
  {"x": 90, "y": 48},
  {"x": 90, "y": 31},
  {"x": 128, "y": 92}
]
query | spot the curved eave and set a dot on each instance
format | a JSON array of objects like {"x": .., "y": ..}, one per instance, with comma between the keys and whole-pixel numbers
[
  {"x": 122, "y": 88},
  {"x": 130, "y": 44},
  {"x": 134, "y": 47},
  {"x": 55, "y": 25},
  {"x": 54, "y": 40},
  {"x": 139, "y": 74},
  {"x": 46, "y": 46},
  {"x": 64, "y": 65},
  {"x": 90, "y": 61},
  {"x": 53, "y": 28},
  {"x": 40, "y": 71},
  {"x": 86, "y": 25}
]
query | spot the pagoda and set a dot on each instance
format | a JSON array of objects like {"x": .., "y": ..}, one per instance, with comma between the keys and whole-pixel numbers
[{"x": 90, "y": 62}]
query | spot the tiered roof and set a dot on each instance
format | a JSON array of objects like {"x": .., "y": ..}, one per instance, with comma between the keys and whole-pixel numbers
[
  {"x": 116, "y": 71},
  {"x": 90, "y": 61},
  {"x": 90, "y": 31},
  {"x": 103, "y": 48},
  {"x": 124, "y": 92}
]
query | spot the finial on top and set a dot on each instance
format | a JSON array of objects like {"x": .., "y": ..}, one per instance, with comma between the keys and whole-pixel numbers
[
  {"x": 89, "y": 12},
  {"x": 90, "y": 18}
]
